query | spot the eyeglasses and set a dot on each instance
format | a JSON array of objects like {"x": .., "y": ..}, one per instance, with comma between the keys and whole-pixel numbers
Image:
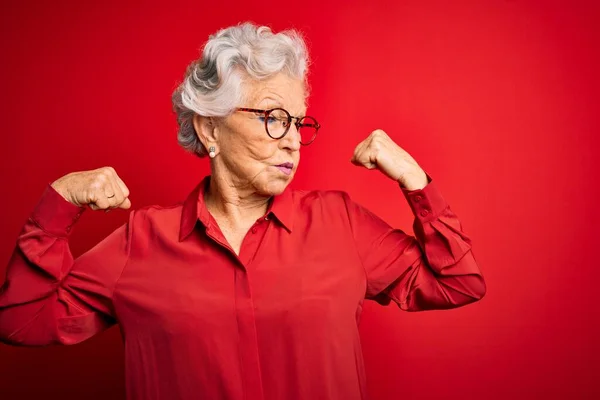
[{"x": 278, "y": 121}]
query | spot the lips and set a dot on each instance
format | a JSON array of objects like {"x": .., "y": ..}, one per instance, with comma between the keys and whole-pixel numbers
[{"x": 286, "y": 168}]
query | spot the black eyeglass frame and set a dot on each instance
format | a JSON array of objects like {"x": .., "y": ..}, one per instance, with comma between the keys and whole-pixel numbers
[{"x": 299, "y": 124}]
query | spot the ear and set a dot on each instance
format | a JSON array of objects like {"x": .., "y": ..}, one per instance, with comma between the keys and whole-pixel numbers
[{"x": 205, "y": 130}]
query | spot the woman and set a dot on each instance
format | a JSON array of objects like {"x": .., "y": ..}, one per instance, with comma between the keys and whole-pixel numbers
[{"x": 246, "y": 290}]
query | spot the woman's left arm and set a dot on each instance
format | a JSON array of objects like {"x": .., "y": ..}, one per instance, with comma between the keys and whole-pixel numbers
[{"x": 435, "y": 269}]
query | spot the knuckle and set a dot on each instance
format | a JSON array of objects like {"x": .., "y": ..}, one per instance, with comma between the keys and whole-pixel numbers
[
  {"x": 379, "y": 134},
  {"x": 96, "y": 184}
]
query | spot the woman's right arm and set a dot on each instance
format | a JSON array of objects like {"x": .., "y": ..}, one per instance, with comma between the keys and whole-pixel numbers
[{"x": 48, "y": 297}]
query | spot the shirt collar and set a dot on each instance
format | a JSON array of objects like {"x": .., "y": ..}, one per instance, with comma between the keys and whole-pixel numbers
[
  {"x": 194, "y": 209},
  {"x": 282, "y": 207}
]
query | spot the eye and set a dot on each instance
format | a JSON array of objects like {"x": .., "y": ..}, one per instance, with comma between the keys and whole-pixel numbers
[{"x": 272, "y": 119}]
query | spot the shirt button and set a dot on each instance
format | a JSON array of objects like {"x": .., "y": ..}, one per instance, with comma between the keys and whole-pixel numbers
[
  {"x": 253, "y": 230},
  {"x": 418, "y": 198},
  {"x": 424, "y": 213},
  {"x": 267, "y": 218}
]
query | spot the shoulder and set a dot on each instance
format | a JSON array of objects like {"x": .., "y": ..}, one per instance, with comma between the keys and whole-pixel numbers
[
  {"x": 332, "y": 210},
  {"x": 329, "y": 198},
  {"x": 331, "y": 205},
  {"x": 152, "y": 218},
  {"x": 328, "y": 206},
  {"x": 155, "y": 211}
]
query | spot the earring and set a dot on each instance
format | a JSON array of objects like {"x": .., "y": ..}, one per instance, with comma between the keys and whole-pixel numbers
[{"x": 211, "y": 152}]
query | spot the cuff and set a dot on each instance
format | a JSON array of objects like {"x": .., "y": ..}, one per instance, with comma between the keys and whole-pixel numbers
[
  {"x": 54, "y": 214},
  {"x": 427, "y": 203}
]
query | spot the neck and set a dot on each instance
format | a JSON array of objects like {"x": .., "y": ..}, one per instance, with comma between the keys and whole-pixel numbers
[{"x": 238, "y": 203}]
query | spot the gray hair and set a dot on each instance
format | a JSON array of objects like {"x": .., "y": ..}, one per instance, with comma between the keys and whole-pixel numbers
[{"x": 212, "y": 85}]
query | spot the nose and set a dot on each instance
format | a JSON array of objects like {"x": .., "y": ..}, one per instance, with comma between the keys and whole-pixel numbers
[{"x": 291, "y": 140}]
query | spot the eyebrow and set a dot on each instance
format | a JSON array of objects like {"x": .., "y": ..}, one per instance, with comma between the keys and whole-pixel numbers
[
  {"x": 270, "y": 100},
  {"x": 274, "y": 103}
]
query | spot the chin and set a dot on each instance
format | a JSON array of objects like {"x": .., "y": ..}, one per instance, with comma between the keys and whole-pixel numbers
[{"x": 276, "y": 186}]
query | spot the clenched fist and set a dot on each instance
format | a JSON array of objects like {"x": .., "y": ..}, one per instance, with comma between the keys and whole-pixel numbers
[
  {"x": 379, "y": 151},
  {"x": 100, "y": 189}
]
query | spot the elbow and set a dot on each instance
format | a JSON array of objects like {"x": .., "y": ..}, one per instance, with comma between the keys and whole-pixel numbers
[
  {"x": 23, "y": 329},
  {"x": 477, "y": 289},
  {"x": 11, "y": 335},
  {"x": 481, "y": 288},
  {"x": 17, "y": 336},
  {"x": 12, "y": 340},
  {"x": 473, "y": 290},
  {"x": 19, "y": 339}
]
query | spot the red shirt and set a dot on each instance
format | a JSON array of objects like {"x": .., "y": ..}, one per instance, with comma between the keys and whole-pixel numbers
[{"x": 278, "y": 322}]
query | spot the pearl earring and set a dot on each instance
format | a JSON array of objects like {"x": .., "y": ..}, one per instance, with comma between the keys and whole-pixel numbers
[{"x": 211, "y": 152}]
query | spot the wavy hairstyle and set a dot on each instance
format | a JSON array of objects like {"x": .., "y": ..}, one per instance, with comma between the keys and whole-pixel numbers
[{"x": 213, "y": 84}]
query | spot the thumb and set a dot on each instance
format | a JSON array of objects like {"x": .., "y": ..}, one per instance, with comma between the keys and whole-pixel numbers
[
  {"x": 125, "y": 204},
  {"x": 368, "y": 164}
]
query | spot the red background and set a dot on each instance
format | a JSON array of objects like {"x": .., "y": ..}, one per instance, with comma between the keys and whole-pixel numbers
[{"x": 497, "y": 100}]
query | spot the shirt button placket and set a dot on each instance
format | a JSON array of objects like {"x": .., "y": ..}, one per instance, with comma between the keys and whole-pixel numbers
[{"x": 251, "y": 373}]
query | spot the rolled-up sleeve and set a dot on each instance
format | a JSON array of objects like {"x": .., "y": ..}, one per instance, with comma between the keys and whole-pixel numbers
[
  {"x": 435, "y": 269},
  {"x": 48, "y": 297}
]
